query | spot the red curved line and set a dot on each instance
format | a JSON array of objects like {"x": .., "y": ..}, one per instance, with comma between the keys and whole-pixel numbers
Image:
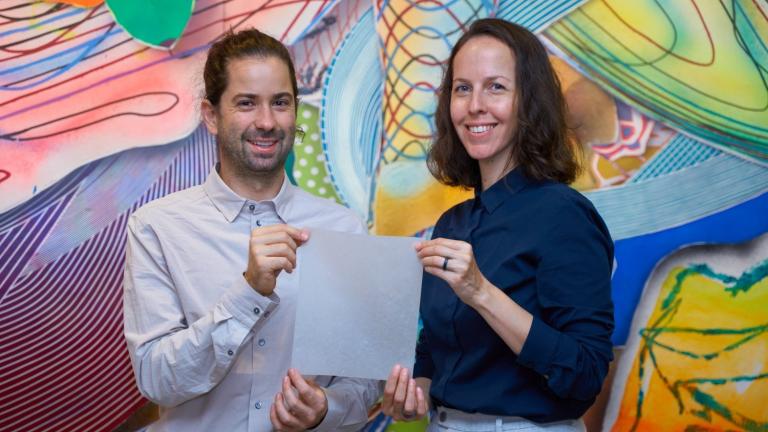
[
  {"x": 710, "y": 62},
  {"x": 394, "y": 110},
  {"x": 139, "y": 51},
  {"x": 97, "y": 374},
  {"x": 55, "y": 41},
  {"x": 66, "y": 271},
  {"x": 677, "y": 109},
  {"x": 69, "y": 369},
  {"x": 74, "y": 266},
  {"x": 296, "y": 17},
  {"x": 40, "y": 292},
  {"x": 759, "y": 9},
  {"x": 68, "y": 366},
  {"x": 4, "y": 175},
  {"x": 399, "y": 17},
  {"x": 24, "y": 53}
]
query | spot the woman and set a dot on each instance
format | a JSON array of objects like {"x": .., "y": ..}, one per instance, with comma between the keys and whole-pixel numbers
[{"x": 516, "y": 298}]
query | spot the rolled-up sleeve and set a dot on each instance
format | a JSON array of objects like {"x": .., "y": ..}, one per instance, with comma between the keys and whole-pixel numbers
[
  {"x": 570, "y": 343},
  {"x": 175, "y": 361},
  {"x": 348, "y": 402}
]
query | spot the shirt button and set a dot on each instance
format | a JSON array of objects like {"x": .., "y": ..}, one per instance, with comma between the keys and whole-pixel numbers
[
  {"x": 258, "y": 405},
  {"x": 251, "y": 207},
  {"x": 262, "y": 342},
  {"x": 258, "y": 222},
  {"x": 230, "y": 352},
  {"x": 256, "y": 310}
]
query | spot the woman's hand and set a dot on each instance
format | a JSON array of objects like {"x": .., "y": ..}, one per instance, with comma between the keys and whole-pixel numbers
[
  {"x": 454, "y": 262},
  {"x": 403, "y": 399}
]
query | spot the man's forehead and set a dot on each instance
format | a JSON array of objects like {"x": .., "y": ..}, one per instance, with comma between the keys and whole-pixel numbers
[{"x": 268, "y": 73}]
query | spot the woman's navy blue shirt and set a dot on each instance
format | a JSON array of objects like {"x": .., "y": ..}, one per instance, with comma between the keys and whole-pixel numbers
[{"x": 548, "y": 249}]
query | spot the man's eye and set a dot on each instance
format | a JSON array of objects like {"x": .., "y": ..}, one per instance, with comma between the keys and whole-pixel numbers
[{"x": 245, "y": 103}]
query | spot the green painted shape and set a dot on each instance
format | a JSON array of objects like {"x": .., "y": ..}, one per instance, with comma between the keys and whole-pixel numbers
[
  {"x": 741, "y": 284},
  {"x": 309, "y": 169},
  {"x": 156, "y": 23},
  {"x": 289, "y": 162},
  {"x": 417, "y": 426}
]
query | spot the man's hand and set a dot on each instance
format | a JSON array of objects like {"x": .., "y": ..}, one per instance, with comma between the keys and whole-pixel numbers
[
  {"x": 271, "y": 250},
  {"x": 300, "y": 406}
]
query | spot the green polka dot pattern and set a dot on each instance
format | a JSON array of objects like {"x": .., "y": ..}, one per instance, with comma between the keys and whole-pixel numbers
[{"x": 309, "y": 170}]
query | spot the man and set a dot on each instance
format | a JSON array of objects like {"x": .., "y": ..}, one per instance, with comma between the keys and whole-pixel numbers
[{"x": 211, "y": 278}]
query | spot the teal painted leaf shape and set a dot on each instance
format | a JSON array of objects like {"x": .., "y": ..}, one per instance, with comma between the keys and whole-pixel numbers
[{"x": 158, "y": 24}]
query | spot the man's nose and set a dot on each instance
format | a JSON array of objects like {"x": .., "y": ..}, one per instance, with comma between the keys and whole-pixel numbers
[{"x": 264, "y": 119}]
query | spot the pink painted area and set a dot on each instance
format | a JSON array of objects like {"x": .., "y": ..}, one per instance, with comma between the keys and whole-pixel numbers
[{"x": 124, "y": 97}]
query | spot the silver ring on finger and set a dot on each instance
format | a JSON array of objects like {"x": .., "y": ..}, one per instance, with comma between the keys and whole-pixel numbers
[{"x": 445, "y": 263}]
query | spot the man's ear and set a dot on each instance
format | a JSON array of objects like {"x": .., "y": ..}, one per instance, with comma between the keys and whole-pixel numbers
[{"x": 208, "y": 111}]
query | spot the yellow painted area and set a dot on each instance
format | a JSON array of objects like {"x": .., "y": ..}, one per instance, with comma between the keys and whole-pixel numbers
[
  {"x": 416, "y": 41},
  {"x": 406, "y": 215},
  {"x": 704, "y": 304},
  {"x": 683, "y": 61}
]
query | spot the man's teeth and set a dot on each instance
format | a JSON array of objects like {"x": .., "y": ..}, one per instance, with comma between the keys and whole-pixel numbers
[
  {"x": 262, "y": 143},
  {"x": 480, "y": 129}
]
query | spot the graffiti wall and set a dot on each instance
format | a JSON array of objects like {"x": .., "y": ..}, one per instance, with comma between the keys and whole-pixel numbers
[{"x": 668, "y": 101}]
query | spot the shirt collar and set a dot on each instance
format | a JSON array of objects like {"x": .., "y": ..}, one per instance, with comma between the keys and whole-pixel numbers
[
  {"x": 491, "y": 198},
  {"x": 230, "y": 204}
]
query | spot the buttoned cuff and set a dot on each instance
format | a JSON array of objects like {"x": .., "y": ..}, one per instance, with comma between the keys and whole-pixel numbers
[
  {"x": 245, "y": 304},
  {"x": 539, "y": 347},
  {"x": 336, "y": 411}
]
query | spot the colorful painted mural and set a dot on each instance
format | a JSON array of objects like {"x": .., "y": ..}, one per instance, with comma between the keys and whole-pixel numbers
[
  {"x": 697, "y": 357},
  {"x": 667, "y": 99}
]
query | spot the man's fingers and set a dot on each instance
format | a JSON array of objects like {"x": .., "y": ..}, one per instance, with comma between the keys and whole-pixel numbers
[
  {"x": 295, "y": 406},
  {"x": 278, "y": 425},
  {"x": 275, "y": 250},
  {"x": 280, "y": 237},
  {"x": 283, "y": 415},
  {"x": 296, "y": 234},
  {"x": 307, "y": 392}
]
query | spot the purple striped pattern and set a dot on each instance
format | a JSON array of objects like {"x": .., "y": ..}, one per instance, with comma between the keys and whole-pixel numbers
[{"x": 63, "y": 361}]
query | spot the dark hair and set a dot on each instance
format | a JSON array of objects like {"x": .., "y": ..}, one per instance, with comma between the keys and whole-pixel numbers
[
  {"x": 245, "y": 43},
  {"x": 540, "y": 143}
]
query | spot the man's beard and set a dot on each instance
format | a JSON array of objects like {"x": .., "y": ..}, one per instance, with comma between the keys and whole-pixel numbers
[{"x": 254, "y": 163}]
